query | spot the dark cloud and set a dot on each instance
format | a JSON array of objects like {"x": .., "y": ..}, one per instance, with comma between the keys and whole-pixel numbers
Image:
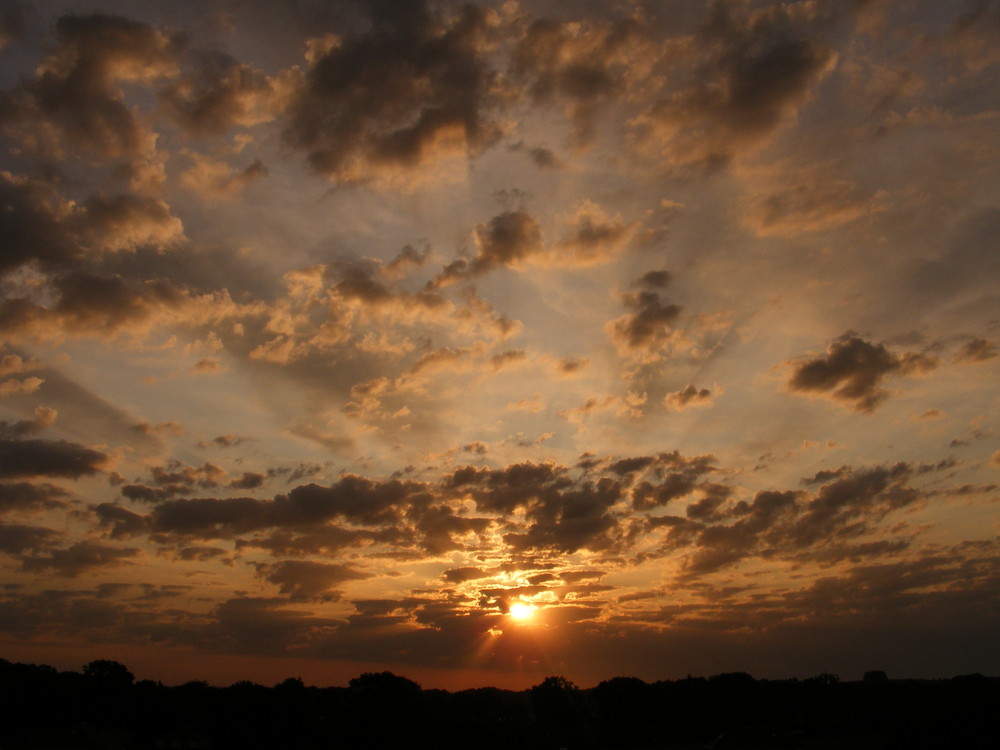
[
  {"x": 571, "y": 365},
  {"x": 262, "y": 625},
  {"x": 312, "y": 519},
  {"x": 249, "y": 481},
  {"x": 791, "y": 523},
  {"x": 723, "y": 545},
  {"x": 407, "y": 257},
  {"x": 121, "y": 521},
  {"x": 542, "y": 157},
  {"x": 593, "y": 236},
  {"x": 654, "y": 279},
  {"x": 584, "y": 64},
  {"x": 43, "y": 417},
  {"x": 976, "y": 350},
  {"x": 416, "y": 86},
  {"x": 78, "y": 558},
  {"x": 26, "y": 496},
  {"x": 650, "y": 324},
  {"x": 210, "y": 517},
  {"x": 813, "y": 204},
  {"x": 440, "y": 528},
  {"x": 863, "y": 493},
  {"x": 48, "y": 458},
  {"x": 16, "y": 539},
  {"x": 12, "y": 26},
  {"x": 463, "y": 574},
  {"x": 201, "y": 553},
  {"x": 507, "y": 358},
  {"x": 91, "y": 305},
  {"x": 506, "y": 240},
  {"x": 220, "y": 93},
  {"x": 853, "y": 371},
  {"x": 562, "y": 513},
  {"x": 756, "y": 67},
  {"x": 98, "y": 304},
  {"x": 125, "y": 222},
  {"x": 41, "y": 225},
  {"x": 690, "y": 396},
  {"x": 31, "y": 224},
  {"x": 76, "y": 103},
  {"x": 303, "y": 580}
]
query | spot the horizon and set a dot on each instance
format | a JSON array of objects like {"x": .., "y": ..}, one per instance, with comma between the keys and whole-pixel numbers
[
  {"x": 480, "y": 342},
  {"x": 869, "y": 676}
]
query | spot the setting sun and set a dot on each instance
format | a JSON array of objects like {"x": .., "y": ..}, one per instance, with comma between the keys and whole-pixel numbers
[{"x": 521, "y": 611}]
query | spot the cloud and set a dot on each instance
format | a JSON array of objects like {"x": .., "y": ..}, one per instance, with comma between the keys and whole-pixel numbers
[
  {"x": 33, "y": 221},
  {"x": 783, "y": 523},
  {"x": 507, "y": 240},
  {"x": 127, "y": 222},
  {"x": 414, "y": 88},
  {"x": 219, "y": 93},
  {"x": 975, "y": 351},
  {"x": 463, "y": 574},
  {"x": 249, "y": 481},
  {"x": 687, "y": 397},
  {"x": 585, "y": 63},
  {"x": 650, "y": 324},
  {"x": 593, "y": 237},
  {"x": 259, "y": 625},
  {"x": 76, "y": 102},
  {"x": 815, "y": 204},
  {"x": 506, "y": 359},
  {"x": 562, "y": 514},
  {"x": 673, "y": 477},
  {"x": 25, "y": 386},
  {"x": 59, "y": 234},
  {"x": 310, "y": 518},
  {"x": 78, "y": 558},
  {"x": 16, "y": 539},
  {"x": 90, "y": 305},
  {"x": 217, "y": 180},
  {"x": 121, "y": 521},
  {"x": 43, "y": 417},
  {"x": 12, "y": 25},
  {"x": 853, "y": 371},
  {"x": 754, "y": 68},
  {"x": 20, "y": 496},
  {"x": 303, "y": 580},
  {"x": 48, "y": 458},
  {"x": 514, "y": 239},
  {"x": 569, "y": 366}
]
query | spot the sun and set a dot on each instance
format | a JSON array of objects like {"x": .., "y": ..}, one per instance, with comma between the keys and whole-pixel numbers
[{"x": 521, "y": 611}]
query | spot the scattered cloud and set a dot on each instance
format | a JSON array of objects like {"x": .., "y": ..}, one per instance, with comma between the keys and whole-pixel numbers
[{"x": 853, "y": 371}]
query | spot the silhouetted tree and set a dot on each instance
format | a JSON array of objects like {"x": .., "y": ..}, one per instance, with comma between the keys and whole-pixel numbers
[
  {"x": 625, "y": 711},
  {"x": 109, "y": 673},
  {"x": 384, "y": 708},
  {"x": 559, "y": 708}
]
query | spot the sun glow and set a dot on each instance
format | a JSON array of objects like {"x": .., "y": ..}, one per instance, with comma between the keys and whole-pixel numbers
[{"x": 521, "y": 611}]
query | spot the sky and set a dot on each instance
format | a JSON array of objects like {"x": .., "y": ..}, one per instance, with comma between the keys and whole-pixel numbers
[{"x": 483, "y": 342}]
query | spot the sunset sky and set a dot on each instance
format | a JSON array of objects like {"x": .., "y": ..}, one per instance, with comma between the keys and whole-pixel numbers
[{"x": 336, "y": 333}]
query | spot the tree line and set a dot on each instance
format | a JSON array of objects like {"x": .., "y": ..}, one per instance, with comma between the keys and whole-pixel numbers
[{"x": 103, "y": 707}]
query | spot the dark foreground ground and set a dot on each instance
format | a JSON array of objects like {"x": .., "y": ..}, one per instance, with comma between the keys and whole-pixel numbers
[{"x": 104, "y": 708}]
